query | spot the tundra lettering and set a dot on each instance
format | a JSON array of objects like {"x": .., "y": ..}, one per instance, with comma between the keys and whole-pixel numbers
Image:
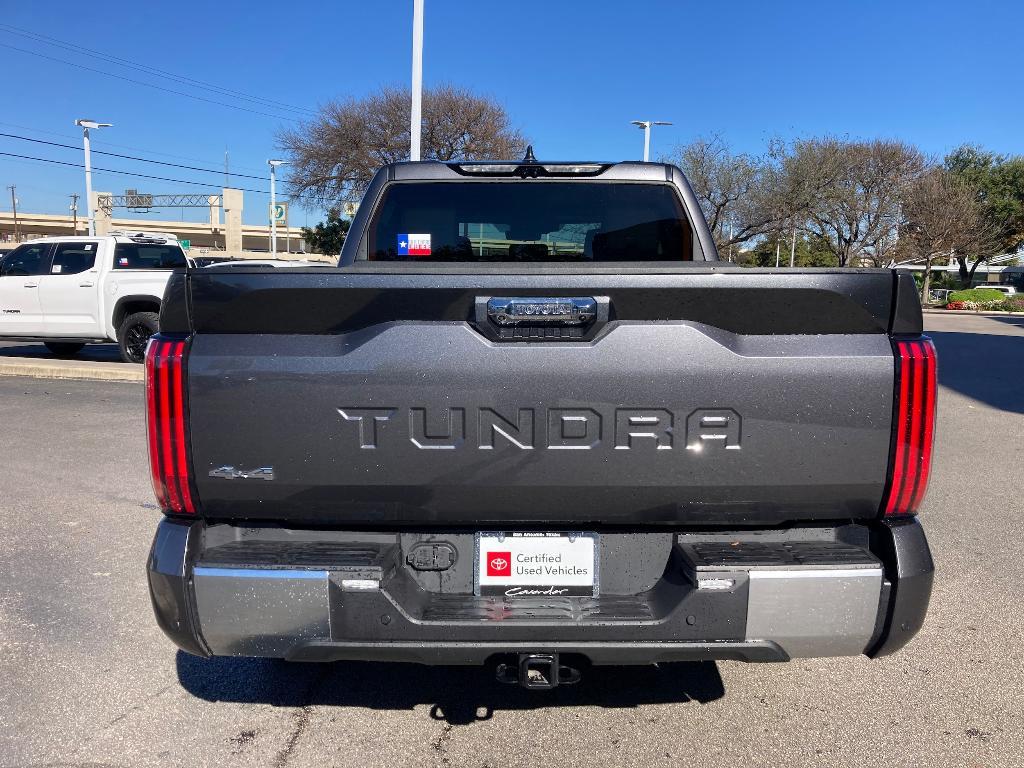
[{"x": 566, "y": 428}]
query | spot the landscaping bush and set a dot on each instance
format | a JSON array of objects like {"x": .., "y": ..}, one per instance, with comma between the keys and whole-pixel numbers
[
  {"x": 1012, "y": 304},
  {"x": 985, "y": 300},
  {"x": 977, "y": 295}
]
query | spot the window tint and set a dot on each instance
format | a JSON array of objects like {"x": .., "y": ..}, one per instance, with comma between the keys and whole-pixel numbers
[
  {"x": 25, "y": 260},
  {"x": 73, "y": 258},
  {"x": 530, "y": 221},
  {"x": 148, "y": 256}
]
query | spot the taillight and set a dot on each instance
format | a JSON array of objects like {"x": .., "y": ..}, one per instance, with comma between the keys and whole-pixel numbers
[
  {"x": 167, "y": 424},
  {"x": 914, "y": 426}
]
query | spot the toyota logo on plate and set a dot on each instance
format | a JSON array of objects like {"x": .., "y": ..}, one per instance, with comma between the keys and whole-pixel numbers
[{"x": 499, "y": 563}]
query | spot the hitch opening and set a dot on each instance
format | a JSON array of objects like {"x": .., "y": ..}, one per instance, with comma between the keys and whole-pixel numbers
[{"x": 537, "y": 672}]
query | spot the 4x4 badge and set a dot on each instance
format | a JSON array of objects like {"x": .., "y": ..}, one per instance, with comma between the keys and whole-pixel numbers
[{"x": 230, "y": 473}]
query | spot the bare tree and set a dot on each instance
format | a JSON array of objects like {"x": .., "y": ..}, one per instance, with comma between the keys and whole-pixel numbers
[
  {"x": 744, "y": 196},
  {"x": 857, "y": 193},
  {"x": 733, "y": 190},
  {"x": 944, "y": 218},
  {"x": 334, "y": 155}
]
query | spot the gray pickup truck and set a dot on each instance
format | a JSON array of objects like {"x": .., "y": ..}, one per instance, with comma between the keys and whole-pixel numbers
[{"x": 533, "y": 420}]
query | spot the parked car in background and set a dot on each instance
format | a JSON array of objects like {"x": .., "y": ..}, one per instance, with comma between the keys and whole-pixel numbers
[
  {"x": 939, "y": 295},
  {"x": 1009, "y": 290},
  {"x": 71, "y": 291}
]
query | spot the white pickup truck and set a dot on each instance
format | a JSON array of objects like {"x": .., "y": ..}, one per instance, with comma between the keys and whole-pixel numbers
[{"x": 71, "y": 291}]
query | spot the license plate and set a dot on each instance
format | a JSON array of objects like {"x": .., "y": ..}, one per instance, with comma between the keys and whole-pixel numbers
[{"x": 536, "y": 564}]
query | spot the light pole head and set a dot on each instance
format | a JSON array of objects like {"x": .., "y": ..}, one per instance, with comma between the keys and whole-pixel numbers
[
  {"x": 276, "y": 163},
  {"x": 661, "y": 122},
  {"x": 92, "y": 124},
  {"x": 640, "y": 123}
]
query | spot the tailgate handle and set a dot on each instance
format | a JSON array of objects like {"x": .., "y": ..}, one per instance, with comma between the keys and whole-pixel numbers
[{"x": 542, "y": 311}]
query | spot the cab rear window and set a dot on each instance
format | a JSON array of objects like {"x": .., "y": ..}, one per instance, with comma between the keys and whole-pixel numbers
[
  {"x": 148, "y": 256},
  {"x": 530, "y": 221}
]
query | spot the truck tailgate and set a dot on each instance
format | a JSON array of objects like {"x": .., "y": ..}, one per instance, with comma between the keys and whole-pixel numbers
[{"x": 710, "y": 396}]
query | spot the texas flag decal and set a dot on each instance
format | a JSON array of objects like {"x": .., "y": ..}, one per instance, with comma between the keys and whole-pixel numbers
[{"x": 413, "y": 245}]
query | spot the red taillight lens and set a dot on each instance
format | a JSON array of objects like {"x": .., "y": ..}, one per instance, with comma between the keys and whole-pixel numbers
[
  {"x": 167, "y": 425},
  {"x": 914, "y": 425}
]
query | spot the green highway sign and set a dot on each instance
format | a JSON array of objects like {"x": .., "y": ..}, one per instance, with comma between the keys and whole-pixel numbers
[{"x": 186, "y": 244}]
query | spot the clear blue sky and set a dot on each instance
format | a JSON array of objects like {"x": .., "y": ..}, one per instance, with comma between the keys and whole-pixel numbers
[{"x": 571, "y": 73}]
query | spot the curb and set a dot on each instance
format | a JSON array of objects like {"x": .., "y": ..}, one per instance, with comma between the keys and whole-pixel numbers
[{"x": 70, "y": 370}]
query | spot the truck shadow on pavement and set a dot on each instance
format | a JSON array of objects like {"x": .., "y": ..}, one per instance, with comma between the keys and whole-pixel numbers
[
  {"x": 101, "y": 353},
  {"x": 456, "y": 695},
  {"x": 986, "y": 367}
]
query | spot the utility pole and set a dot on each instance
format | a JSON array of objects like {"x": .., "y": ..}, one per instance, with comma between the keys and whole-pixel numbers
[
  {"x": 14, "y": 208},
  {"x": 227, "y": 178},
  {"x": 416, "y": 119},
  {"x": 85, "y": 126},
  {"x": 74, "y": 213}
]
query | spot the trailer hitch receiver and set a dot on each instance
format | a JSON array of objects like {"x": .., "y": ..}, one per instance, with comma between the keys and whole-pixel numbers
[{"x": 537, "y": 672}]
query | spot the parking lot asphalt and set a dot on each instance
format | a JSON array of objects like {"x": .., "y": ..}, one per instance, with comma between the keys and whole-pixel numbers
[{"x": 87, "y": 679}]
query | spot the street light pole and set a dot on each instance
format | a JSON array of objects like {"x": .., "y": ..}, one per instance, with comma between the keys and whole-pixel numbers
[
  {"x": 85, "y": 126},
  {"x": 74, "y": 213},
  {"x": 645, "y": 125},
  {"x": 416, "y": 119},
  {"x": 273, "y": 204}
]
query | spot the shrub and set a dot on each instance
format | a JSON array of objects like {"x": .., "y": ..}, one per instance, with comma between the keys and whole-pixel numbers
[
  {"x": 981, "y": 300},
  {"x": 1012, "y": 304},
  {"x": 978, "y": 295}
]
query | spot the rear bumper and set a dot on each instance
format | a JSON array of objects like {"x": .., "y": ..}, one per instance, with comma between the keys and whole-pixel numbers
[{"x": 351, "y": 596}]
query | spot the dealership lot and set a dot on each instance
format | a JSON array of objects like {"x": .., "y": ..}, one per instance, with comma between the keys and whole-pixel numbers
[{"x": 86, "y": 678}]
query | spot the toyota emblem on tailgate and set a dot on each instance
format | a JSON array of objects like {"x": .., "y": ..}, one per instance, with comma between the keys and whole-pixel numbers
[{"x": 542, "y": 311}]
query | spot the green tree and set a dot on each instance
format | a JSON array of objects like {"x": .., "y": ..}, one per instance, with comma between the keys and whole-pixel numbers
[
  {"x": 327, "y": 237},
  {"x": 999, "y": 184},
  {"x": 811, "y": 251}
]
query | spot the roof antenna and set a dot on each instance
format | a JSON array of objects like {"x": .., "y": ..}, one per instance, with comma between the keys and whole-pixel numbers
[{"x": 529, "y": 155}]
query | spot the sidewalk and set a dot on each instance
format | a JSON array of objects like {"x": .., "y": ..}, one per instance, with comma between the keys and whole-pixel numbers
[{"x": 82, "y": 370}]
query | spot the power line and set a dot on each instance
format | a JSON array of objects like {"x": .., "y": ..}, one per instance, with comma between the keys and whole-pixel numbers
[
  {"x": 79, "y": 65},
  {"x": 123, "y": 173},
  {"x": 129, "y": 157},
  {"x": 184, "y": 80},
  {"x": 105, "y": 143}
]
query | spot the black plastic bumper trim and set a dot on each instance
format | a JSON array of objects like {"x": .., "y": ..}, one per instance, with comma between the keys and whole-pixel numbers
[
  {"x": 174, "y": 544},
  {"x": 599, "y": 654},
  {"x": 909, "y": 569}
]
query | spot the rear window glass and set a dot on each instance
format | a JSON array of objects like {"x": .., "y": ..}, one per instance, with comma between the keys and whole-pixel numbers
[
  {"x": 530, "y": 221},
  {"x": 148, "y": 256}
]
